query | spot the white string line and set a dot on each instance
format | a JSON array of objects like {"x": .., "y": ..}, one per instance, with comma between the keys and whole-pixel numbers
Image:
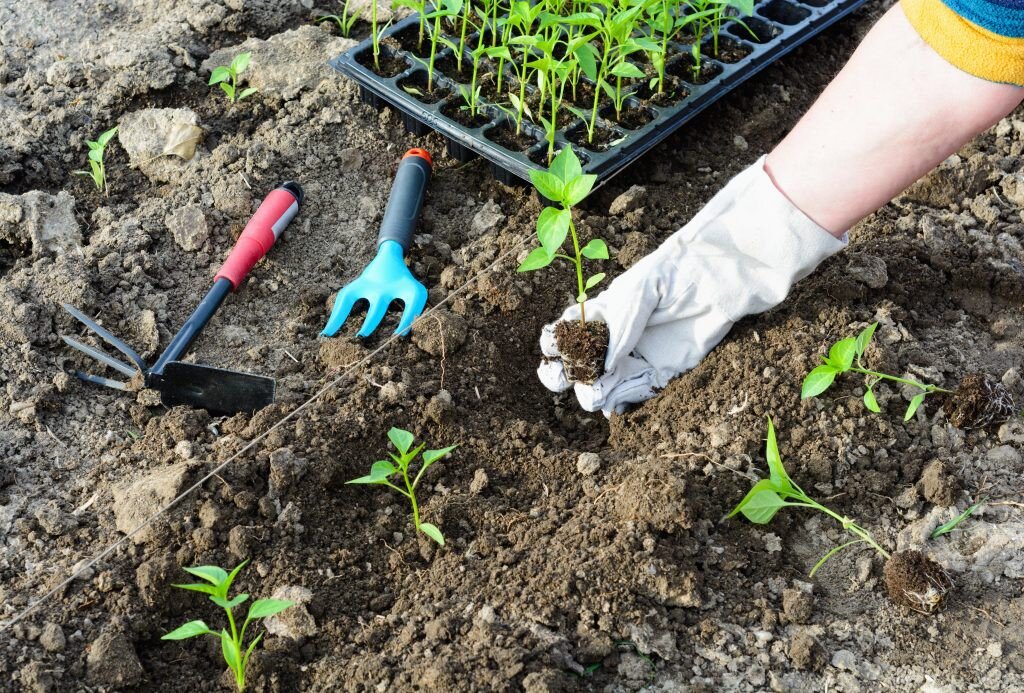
[{"x": 295, "y": 412}]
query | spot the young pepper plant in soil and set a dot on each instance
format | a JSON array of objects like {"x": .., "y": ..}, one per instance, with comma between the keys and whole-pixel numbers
[
  {"x": 565, "y": 184},
  {"x": 98, "y": 169},
  {"x": 847, "y": 356},
  {"x": 911, "y": 579},
  {"x": 227, "y": 77},
  {"x": 382, "y": 470},
  {"x": 232, "y": 642}
]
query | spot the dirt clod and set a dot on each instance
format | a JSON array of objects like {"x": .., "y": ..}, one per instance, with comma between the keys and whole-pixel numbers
[
  {"x": 937, "y": 485},
  {"x": 798, "y": 605},
  {"x": 583, "y": 349},
  {"x": 917, "y": 582},
  {"x": 979, "y": 401},
  {"x": 112, "y": 661},
  {"x": 805, "y": 653}
]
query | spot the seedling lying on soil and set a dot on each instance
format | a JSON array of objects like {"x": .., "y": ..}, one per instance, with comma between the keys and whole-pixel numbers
[
  {"x": 847, "y": 356},
  {"x": 232, "y": 642},
  {"x": 227, "y": 77},
  {"x": 916, "y": 581},
  {"x": 98, "y": 170},
  {"x": 382, "y": 470},
  {"x": 952, "y": 524}
]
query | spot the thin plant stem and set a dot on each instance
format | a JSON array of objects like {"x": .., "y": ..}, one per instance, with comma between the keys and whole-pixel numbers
[{"x": 906, "y": 381}]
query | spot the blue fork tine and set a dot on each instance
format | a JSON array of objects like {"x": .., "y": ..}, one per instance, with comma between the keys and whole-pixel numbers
[{"x": 101, "y": 356}]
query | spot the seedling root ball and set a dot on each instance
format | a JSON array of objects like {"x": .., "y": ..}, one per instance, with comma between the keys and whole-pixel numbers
[
  {"x": 917, "y": 582},
  {"x": 979, "y": 401},
  {"x": 583, "y": 348}
]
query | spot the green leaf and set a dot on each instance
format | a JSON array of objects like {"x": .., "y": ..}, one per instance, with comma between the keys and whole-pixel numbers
[
  {"x": 578, "y": 188},
  {"x": 262, "y": 608},
  {"x": 432, "y": 532},
  {"x": 745, "y": 7},
  {"x": 105, "y": 137},
  {"x": 776, "y": 470},
  {"x": 498, "y": 52},
  {"x": 817, "y": 381},
  {"x": 431, "y": 456},
  {"x": 241, "y": 62},
  {"x": 761, "y": 503},
  {"x": 96, "y": 155},
  {"x": 247, "y": 92},
  {"x": 870, "y": 402},
  {"x": 210, "y": 573},
  {"x": 248, "y": 652},
  {"x": 225, "y": 604},
  {"x": 915, "y": 404},
  {"x": 189, "y": 630},
  {"x": 401, "y": 438},
  {"x": 951, "y": 525},
  {"x": 537, "y": 259},
  {"x": 231, "y": 577},
  {"x": 593, "y": 281},
  {"x": 864, "y": 338},
  {"x": 552, "y": 228},
  {"x": 841, "y": 354},
  {"x": 228, "y": 89},
  {"x": 566, "y": 165},
  {"x": 379, "y": 473},
  {"x": 205, "y": 589},
  {"x": 587, "y": 57},
  {"x": 627, "y": 70},
  {"x": 548, "y": 184},
  {"x": 230, "y": 650},
  {"x": 219, "y": 74},
  {"x": 595, "y": 250}
]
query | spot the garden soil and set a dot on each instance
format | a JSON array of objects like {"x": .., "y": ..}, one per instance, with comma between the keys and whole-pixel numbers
[{"x": 582, "y": 553}]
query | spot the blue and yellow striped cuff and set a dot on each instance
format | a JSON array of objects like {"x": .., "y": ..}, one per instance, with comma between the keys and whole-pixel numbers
[{"x": 984, "y": 38}]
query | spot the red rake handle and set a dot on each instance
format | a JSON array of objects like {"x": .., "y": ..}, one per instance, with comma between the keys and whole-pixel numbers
[{"x": 262, "y": 231}]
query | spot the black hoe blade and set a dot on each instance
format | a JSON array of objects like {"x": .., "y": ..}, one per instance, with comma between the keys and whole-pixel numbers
[{"x": 216, "y": 390}]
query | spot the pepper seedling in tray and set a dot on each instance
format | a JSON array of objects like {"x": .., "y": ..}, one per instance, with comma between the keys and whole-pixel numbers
[
  {"x": 565, "y": 184},
  {"x": 232, "y": 642},
  {"x": 847, "y": 356},
  {"x": 382, "y": 471}
]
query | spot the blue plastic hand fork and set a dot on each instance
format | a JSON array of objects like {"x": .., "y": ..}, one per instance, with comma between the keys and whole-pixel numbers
[{"x": 386, "y": 278}]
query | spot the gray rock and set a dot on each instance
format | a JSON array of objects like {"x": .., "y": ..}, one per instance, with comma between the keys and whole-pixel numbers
[
  {"x": 1004, "y": 455},
  {"x": 112, "y": 661},
  {"x": 628, "y": 201},
  {"x": 146, "y": 136},
  {"x": 188, "y": 227},
  {"x": 588, "y": 463},
  {"x": 488, "y": 218},
  {"x": 52, "y": 638},
  {"x": 46, "y": 223},
  {"x": 295, "y": 622},
  {"x": 286, "y": 63},
  {"x": 479, "y": 483},
  {"x": 844, "y": 659},
  {"x": 136, "y": 500},
  {"x": 868, "y": 270}
]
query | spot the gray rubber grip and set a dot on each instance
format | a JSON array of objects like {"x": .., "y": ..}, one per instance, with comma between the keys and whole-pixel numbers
[{"x": 405, "y": 202}]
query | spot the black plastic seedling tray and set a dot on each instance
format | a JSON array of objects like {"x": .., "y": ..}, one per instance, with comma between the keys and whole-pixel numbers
[{"x": 780, "y": 26}]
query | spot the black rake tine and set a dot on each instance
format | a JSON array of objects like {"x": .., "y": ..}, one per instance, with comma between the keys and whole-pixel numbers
[
  {"x": 100, "y": 380},
  {"x": 101, "y": 356},
  {"x": 107, "y": 337}
]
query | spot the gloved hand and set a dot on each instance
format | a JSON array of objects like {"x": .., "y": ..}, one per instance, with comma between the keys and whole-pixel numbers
[{"x": 739, "y": 255}]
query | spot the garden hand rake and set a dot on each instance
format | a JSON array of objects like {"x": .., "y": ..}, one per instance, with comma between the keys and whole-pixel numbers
[
  {"x": 387, "y": 278},
  {"x": 217, "y": 390}
]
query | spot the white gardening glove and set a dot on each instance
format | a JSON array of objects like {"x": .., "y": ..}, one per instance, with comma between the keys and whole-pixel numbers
[{"x": 738, "y": 256}]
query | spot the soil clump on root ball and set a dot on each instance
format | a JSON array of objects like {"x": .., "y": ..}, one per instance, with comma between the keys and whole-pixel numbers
[
  {"x": 917, "y": 582},
  {"x": 583, "y": 348},
  {"x": 979, "y": 401}
]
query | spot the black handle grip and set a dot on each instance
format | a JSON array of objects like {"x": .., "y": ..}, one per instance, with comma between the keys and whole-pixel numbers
[{"x": 406, "y": 199}]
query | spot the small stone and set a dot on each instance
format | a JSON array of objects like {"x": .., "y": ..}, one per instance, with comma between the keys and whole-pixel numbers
[
  {"x": 52, "y": 638},
  {"x": 488, "y": 218},
  {"x": 844, "y": 659},
  {"x": 46, "y": 222},
  {"x": 392, "y": 392},
  {"x": 440, "y": 407},
  {"x": 937, "y": 485},
  {"x": 588, "y": 463},
  {"x": 295, "y": 622},
  {"x": 740, "y": 143},
  {"x": 868, "y": 270},
  {"x": 87, "y": 572},
  {"x": 479, "y": 483},
  {"x": 188, "y": 227},
  {"x": 112, "y": 661},
  {"x": 441, "y": 333},
  {"x": 632, "y": 199},
  {"x": 185, "y": 450},
  {"x": 994, "y": 650}
]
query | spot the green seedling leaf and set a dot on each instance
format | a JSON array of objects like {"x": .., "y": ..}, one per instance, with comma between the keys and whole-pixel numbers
[
  {"x": 219, "y": 74},
  {"x": 247, "y": 92},
  {"x": 952, "y": 524},
  {"x": 263, "y": 608},
  {"x": 226, "y": 585},
  {"x": 593, "y": 281},
  {"x": 401, "y": 439},
  {"x": 432, "y": 532},
  {"x": 818, "y": 380},
  {"x": 595, "y": 250},
  {"x": 96, "y": 155},
  {"x": 205, "y": 589},
  {"x": 227, "y": 646},
  {"x": 864, "y": 338},
  {"x": 379, "y": 473},
  {"x": 552, "y": 228},
  {"x": 587, "y": 57},
  {"x": 229, "y": 604},
  {"x": 537, "y": 259},
  {"x": 248, "y": 652},
  {"x": 548, "y": 185},
  {"x": 497, "y": 52},
  {"x": 915, "y": 404},
  {"x": 745, "y": 7},
  {"x": 240, "y": 62},
  {"x": 105, "y": 137},
  {"x": 228, "y": 89},
  {"x": 578, "y": 188},
  {"x": 566, "y": 166},
  {"x": 627, "y": 70},
  {"x": 776, "y": 470},
  {"x": 431, "y": 456},
  {"x": 870, "y": 402},
  {"x": 761, "y": 503},
  {"x": 189, "y": 630},
  {"x": 841, "y": 355},
  {"x": 210, "y": 573}
]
